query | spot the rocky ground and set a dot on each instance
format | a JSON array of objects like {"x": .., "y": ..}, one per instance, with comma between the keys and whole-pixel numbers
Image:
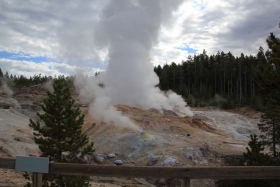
[{"x": 165, "y": 139}]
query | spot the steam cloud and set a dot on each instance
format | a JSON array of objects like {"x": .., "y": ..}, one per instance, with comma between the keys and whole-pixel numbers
[
  {"x": 128, "y": 30},
  {"x": 7, "y": 90}
]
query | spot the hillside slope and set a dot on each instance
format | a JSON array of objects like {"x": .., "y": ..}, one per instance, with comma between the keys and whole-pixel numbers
[
  {"x": 173, "y": 136},
  {"x": 165, "y": 139}
]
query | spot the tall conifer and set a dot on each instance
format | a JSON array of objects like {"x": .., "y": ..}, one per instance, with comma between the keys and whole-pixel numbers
[
  {"x": 1, "y": 73},
  {"x": 270, "y": 125},
  {"x": 60, "y": 135}
]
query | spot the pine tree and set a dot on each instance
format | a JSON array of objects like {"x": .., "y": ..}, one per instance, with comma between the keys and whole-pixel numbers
[
  {"x": 268, "y": 78},
  {"x": 1, "y": 73},
  {"x": 270, "y": 125},
  {"x": 60, "y": 137},
  {"x": 1, "y": 77},
  {"x": 254, "y": 155},
  {"x": 6, "y": 75}
]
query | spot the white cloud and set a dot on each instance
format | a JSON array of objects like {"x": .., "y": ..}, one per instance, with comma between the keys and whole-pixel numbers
[
  {"x": 28, "y": 68},
  {"x": 65, "y": 31},
  {"x": 236, "y": 26}
]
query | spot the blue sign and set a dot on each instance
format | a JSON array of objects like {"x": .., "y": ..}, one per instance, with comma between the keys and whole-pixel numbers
[{"x": 32, "y": 164}]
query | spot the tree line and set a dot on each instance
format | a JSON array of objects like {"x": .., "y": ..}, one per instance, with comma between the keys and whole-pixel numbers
[{"x": 233, "y": 80}]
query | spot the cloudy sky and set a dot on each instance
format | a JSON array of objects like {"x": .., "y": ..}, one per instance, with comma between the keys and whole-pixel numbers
[{"x": 59, "y": 37}]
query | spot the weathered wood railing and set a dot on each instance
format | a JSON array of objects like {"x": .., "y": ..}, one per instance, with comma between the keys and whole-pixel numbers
[{"x": 184, "y": 173}]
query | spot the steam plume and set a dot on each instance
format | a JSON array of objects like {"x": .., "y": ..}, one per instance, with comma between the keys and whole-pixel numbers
[
  {"x": 7, "y": 90},
  {"x": 128, "y": 30}
]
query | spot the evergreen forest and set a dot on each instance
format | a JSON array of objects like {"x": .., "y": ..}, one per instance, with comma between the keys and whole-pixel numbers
[{"x": 221, "y": 79}]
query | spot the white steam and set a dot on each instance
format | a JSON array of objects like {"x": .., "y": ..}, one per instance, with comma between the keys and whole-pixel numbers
[
  {"x": 101, "y": 108},
  {"x": 48, "y": 86},
  {"x": 128, "y": 30},
  {"x": 4, "y": 86},
  {"x": 104, "y": 111}
]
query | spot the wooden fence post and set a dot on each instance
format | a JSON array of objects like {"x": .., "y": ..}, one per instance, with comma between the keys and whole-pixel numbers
[
  {"x": 186, "y": 182},
  {"x": 37, "y": 179}
]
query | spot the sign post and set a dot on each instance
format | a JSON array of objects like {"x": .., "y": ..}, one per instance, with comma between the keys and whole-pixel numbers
[
  {"x": 186, "y": 182},
  {"x": 37, "y": 179}
]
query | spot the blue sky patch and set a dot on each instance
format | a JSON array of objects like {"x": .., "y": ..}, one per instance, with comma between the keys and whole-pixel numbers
[
  {"x": 201, "y": 7},
  {"x": 185, "y": 47},
  {"x": 199, "y": 4},
  {"x": 24, "y": 57}
]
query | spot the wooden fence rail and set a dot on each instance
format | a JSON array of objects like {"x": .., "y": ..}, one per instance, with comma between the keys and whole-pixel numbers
[{"x": 185, "y": 173}]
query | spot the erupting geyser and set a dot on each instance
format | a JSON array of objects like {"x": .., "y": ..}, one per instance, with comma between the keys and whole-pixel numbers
[{"x": 128, "y": 30}]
